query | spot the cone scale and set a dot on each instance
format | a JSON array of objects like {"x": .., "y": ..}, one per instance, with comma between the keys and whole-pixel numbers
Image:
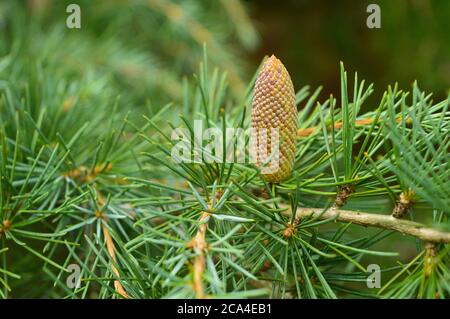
[{"x": 273, "y": 107}]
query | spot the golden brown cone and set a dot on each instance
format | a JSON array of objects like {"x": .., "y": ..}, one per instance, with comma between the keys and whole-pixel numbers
[{"x": 273, "y": 107}]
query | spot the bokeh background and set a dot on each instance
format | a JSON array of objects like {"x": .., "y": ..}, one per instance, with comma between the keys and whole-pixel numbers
[
  {"x": 149, "y": 45},
  {"x": 413, "y": 42}
]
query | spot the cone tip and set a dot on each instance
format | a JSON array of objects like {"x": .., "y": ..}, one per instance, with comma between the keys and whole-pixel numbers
[{"x": 272, "y": 60}]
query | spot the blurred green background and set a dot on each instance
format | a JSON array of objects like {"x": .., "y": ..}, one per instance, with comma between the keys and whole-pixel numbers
[
  {"x": 311, "y": 37},
  {"x": 149, "y": 45}
]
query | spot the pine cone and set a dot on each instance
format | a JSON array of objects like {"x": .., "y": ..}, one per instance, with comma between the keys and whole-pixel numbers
[{"x": 273, "y": 107}]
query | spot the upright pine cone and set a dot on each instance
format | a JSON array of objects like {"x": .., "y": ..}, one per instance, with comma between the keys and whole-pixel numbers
[{"x": 273, "y": 107}]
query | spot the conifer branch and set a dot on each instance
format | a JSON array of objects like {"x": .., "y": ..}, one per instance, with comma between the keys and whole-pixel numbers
[
  {"x": 60, "y": 132},
  {"x": 388, "y": 222}
]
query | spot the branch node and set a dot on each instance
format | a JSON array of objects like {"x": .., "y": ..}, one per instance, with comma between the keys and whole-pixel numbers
[
  {"x": 429, "y": 259},
  {"x": 6, "y": 224},
  {"x": 289, "y": 230},
  {"x": 83, "y": 174},
  {"x": 405, "y": 202},
  {"x": 199, "y": 244},
  {"x": 342, "y": 195}
]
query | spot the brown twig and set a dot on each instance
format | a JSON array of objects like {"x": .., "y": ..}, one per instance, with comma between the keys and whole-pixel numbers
[
  {"x": 110, "y": 247},
  {"x": 199, "y": 244},
  {"x": 112, "y": 252},
  {"x": 405, "y": 227},
  {"x": 83, "y": 174},
  {"x": 307, "y": 131}
]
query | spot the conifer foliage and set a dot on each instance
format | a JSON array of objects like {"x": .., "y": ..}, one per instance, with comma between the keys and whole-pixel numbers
[{"x": 93, "y": 205}]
